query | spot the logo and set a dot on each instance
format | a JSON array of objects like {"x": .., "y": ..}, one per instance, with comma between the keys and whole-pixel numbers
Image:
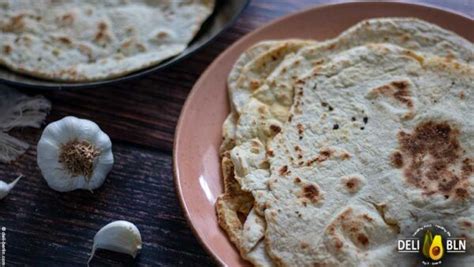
[
  {"x": 433, "y": 248},
  {"x": 433, "y": 243}
]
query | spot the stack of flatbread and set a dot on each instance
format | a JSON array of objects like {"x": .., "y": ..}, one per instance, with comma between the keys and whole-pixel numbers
[
  {"x": 86, "y": 40},
  {"x": 333, "y": 150}
]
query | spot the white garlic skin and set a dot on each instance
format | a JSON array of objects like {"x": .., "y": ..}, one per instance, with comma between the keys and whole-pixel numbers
[
  {"x": 61, "y": 132},
  {"x": 118, "y": 236},
  {"x": 6, "y": 188}
]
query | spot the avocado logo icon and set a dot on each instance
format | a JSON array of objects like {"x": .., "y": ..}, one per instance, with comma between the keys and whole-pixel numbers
[
  {"x": 432, "y": 246},
  {"x": 427, "y": 240},
  {"x": 436, "y": 249}
]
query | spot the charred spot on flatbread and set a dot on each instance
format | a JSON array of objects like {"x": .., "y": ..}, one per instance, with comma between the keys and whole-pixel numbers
[{"x": 432, "y": 152}]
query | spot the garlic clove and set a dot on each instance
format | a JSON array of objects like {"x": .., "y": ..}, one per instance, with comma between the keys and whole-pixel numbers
[
  {"x": 118, "y": 236},
  {"x": 6, "y": 188}
]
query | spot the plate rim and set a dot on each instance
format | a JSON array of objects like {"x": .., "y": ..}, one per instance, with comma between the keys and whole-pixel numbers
[
  {"x": 187, "y": 104},
  {"x": 131, "y": 76}
]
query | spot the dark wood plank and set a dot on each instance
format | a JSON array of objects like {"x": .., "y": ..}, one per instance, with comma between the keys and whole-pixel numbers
[{"x": 46, "y": 228}]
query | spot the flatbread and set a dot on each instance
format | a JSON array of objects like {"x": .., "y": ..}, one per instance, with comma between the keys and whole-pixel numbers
[
  {"x": 228, "y": 128},
  {"x": 253, "y": 66},
  {"x": 265, "y": 111},
  {"x": 234, "y": 207},
  {"x": 268, "y": 109},
  {"x": 77, "y": 41},
  {"x": 342, "y": 189},
  {"x": 256, "y": 70}
]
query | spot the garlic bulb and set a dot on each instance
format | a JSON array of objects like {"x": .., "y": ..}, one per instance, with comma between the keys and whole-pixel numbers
[
  {"x": 118, "y": 236},
  {"x": 5, "y": 188},
  {"x": 74, "y": 154}
]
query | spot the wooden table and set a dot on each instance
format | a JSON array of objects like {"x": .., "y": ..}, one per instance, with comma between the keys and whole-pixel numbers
[{"x": 47, "y": 228}]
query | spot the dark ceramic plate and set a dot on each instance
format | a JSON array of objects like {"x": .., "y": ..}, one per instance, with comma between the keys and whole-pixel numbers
[{"x": 225, "y": 14}]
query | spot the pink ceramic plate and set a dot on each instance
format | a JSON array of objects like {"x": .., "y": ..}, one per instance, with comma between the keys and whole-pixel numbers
[{"x": 198, "y": 134}]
